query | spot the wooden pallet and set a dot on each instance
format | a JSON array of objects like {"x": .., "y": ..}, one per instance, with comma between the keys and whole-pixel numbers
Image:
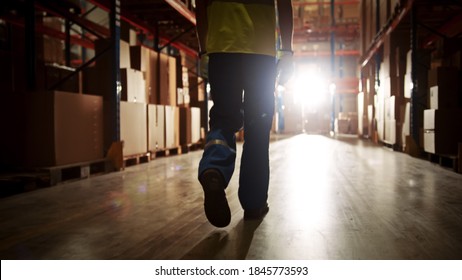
[
  {"x": 393, "y": 146},
  {"x": 166, "y": 152},
  {"x": 447, "y": 161},
  {"x": 58, "y": 174},
  {"x": 191, "y": 147},
  {"x": 136, "y": 159},
  {"x": 19, "y": 182},
  {"x": 183, "y": 149}
]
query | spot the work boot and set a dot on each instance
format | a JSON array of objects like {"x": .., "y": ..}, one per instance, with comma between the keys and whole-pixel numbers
[{"x": 215, "y": 203}]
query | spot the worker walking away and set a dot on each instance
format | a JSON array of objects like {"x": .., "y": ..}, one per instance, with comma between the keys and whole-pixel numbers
[{"x": 249, "y": 46}]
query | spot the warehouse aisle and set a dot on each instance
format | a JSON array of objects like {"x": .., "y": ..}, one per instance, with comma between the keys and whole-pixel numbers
[{"x": 329, "y": 199}]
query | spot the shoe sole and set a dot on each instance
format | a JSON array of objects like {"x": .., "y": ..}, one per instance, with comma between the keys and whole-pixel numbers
[{"x": 215, "y": 203}]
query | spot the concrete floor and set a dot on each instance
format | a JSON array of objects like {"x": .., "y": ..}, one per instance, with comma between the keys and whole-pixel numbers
[{"x": 330, "y": 198}]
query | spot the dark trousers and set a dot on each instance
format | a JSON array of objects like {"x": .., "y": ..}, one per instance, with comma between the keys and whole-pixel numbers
[{"x": 242, "y": 89}]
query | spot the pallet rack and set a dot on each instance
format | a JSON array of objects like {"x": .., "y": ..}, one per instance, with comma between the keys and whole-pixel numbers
[
  {"x": 150, "y": 32},
  {"x": 420, "y": 27}
]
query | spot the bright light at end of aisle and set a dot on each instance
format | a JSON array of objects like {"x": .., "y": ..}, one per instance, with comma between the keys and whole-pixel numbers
[{"x": 310, "y": 89}]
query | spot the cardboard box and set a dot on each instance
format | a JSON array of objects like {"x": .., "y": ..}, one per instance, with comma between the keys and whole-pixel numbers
[
  {"x": 168, "y": 80},
  {"x": 443, "y": 76},
  {"x": 201, "y": 89},
  {"x": 139, "y": 58},
  {"x": 195, "y": 124},
  {"x": 409, "y": 62},
  {"x": 408, "y": 85},
  {"x": 442, "y": 130},
  {"x": 186, "y": 96},
  {"x": 133, "y": 38},
  {"x": 172, "y": 80},
  {"x": 439, "y": 143},
  {"x": 421, "y": 72},
  {"x": 429, "y": 119},
  {"x": 436, "y": 119},
  {"x": 53, "y": 128},
  {"x": 156, "y": 127},
  {"x": 444, "y": 87},
  {"x": 164, "y": 97},
  {"x": 125, "y": 31},
  {"x": 184, "y": 76},
  {"x": 353, "y": 124},
  {"x": 124, "y": 55},
  {"x": 433, "y": 104},
  {"x": 80, "y": 120},
  {"x": 342, "y": 126},
  {"x": 172, "y": 126},
  {"x": 127, "y": 34},
  {"x": 152, "y": 79},
  {"x": 50, "y": 49},
  {"x": 133, "y": 128},
  {"x": 390, "y": 113},
  {"x": 180, "y": 97},
  {"x": 381, "y": 130},
  {"x": 390, "y": 132},
  {"x": 406, "y": 128},
  {"x": 379, "y": 101},
  {"x": 92, "y": 82},
  {"x": 98, "y": 79},
  {"x": 106, "y": 59},
  {"x": 133, "y": 86}
]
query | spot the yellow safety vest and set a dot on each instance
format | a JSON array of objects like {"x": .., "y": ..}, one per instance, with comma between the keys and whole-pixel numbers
[{"x": 241, "y": 26}]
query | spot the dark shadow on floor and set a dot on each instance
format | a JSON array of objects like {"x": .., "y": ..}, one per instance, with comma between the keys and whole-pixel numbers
[{"x": 232, "y": 245}]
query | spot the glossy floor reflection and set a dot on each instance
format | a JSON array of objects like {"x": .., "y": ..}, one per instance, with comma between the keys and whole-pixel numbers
[{"x": 330, "y": 198}]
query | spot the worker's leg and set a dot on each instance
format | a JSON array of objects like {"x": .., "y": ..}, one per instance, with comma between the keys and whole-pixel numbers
[{"x": 258, "y": 115}]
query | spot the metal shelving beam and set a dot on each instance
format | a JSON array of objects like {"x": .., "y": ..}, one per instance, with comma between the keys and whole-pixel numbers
[
  {"x": 183, "y": 10},
  {"x": 450, "y": 28},
  {"x": 325, "y": 3},
  {"x": 31, "y": 59},
  {"x": 132, "y": 20},
  {"x": 40, "y": 28},
  {"x": 91, "y": 27},
  {"x": 113, "y": 123},
  {"x": 327, "y": 53},
  {"x": 385, "y": 31}
]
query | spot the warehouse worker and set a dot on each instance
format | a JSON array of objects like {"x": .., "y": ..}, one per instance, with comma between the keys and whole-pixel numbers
[{"x": 240, "y": 39}]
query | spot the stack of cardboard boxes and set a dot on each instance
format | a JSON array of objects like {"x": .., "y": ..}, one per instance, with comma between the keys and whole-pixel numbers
[
  {"x": 51, "y": 128},
  {"x": 346, "y": 123},
  {"x": 154, "y": 108},
  {"x": 47, "y": 127},
  {"x": 422, "y": 64},
  {"x": 67, "y": 125},
  {"x": 442, "y": 126}
]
